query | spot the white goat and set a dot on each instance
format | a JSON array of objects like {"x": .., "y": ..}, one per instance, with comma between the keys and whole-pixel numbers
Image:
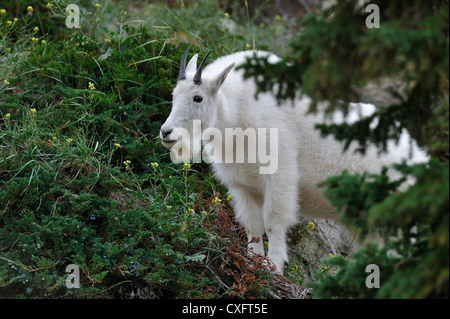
[{"x": 220, "y": 98}]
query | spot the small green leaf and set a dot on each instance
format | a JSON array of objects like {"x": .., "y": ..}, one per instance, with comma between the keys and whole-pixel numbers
[{"x": 196, "y": 257}]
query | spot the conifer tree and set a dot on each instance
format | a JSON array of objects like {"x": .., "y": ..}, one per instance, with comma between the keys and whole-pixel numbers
[{"x": 401, "y": 65}]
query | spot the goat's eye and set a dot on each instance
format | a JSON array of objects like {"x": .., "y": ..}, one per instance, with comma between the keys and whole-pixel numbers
[{"x": 198, "y": 99}]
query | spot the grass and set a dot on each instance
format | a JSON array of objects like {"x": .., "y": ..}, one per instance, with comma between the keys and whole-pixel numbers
[{"x": 83, "y": 177}]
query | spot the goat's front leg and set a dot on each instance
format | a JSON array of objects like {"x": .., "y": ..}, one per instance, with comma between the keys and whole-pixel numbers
[{"x": 248, "y": 211}]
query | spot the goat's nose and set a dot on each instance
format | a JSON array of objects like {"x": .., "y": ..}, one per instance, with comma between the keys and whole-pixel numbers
[{"x": 166, "y": 133}]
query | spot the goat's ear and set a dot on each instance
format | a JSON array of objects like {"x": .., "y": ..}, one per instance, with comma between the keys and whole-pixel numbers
[
  {"x": 192, "y": 65},
  {"x": 218, "y": 81}
]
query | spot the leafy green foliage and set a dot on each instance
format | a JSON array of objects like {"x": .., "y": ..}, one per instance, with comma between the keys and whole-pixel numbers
[
  {"x": 83, "y": 178},
  {"x": 336, "y": 59},
  {"x": 63, "y": 203},
  {"x": 357, "y": 194},
  {"x": 414, "y": 223},
  {"x": 337, "y": 56}
]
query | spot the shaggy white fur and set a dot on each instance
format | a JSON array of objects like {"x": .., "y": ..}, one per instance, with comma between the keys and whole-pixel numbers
[{"x": 269, "y": 203}]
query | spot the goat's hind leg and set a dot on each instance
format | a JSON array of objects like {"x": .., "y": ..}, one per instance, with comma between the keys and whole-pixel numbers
[{"x": 280, "y": 213}]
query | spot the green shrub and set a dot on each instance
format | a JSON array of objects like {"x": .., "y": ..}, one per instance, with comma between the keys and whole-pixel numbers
[
  {"x": 83, "y": 179},
  {"x": 333, "y": 61}
]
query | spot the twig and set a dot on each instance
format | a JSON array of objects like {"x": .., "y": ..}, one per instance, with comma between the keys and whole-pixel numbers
[
  {"x": 218, "y": 278},
  {"x": 272, "y": 294},
  {"x": 328, "y": 240},
  {"x": 304, "y": 293}
]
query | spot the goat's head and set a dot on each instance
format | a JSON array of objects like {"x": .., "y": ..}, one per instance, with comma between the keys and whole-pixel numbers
[{"x": 194, "y": 98}]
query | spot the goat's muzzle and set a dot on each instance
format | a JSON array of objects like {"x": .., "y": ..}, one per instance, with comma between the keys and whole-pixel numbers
[
  {"x": 166, "y": 141},
  {"x": 165, "y": 133}
]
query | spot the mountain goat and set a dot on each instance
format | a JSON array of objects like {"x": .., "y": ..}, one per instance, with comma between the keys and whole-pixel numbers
[{"x": 216, "y": 101}]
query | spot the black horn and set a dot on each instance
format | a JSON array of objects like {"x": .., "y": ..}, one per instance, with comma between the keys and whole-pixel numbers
[
  {"x": 198, "y": 74},
  {"x": 182, "y": 75}
]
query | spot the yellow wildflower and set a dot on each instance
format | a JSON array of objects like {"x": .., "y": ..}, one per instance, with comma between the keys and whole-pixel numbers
[
  {"x": 49, "y": 5},
  {"x": 7, "y": 116},
  {"x": 30, "y": 9},
  {"x": 168, "y": 207},
  {"x": 127, "y": 164},
  {"x": 227, "y": 15},
  {"x": 33, "y": 111},
  {"x": 2, "y": 11},
  {"x": 36, "y": 29},
  {"x": 154, "y": 165},
  {"x": 190, "y": 211},
  {"x": 69, "y": 140},
  {"x": 98, "y": 5},
  {"x": 217, "y": 200},
  {"x": 117, "y": 145},
  {"x": 43, "y": 42},
  {"x": 33, "y": 39},
  {"x": 91, "y": 86},
  {"x": 187, "y": 166},
  {"x": 9, "y": 23},
  {"x": 6, "y": 82},
  {"x": 311, "y": 226},
  {"x": 230, "y": 198}
]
